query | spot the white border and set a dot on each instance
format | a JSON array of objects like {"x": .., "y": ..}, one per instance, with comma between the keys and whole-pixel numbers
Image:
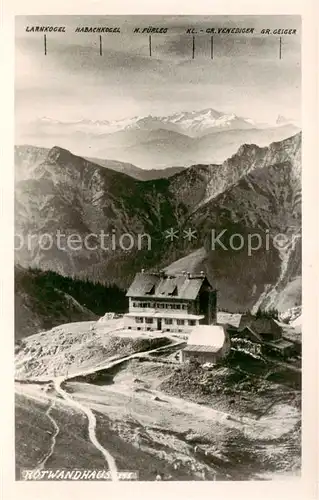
[{"x": 299, "y": 488}]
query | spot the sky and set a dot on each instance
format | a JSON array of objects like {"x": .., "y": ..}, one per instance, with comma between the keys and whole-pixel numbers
[{"x": 73, "y": 82}]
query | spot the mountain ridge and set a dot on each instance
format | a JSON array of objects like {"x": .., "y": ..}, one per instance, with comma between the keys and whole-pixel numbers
[
  {"x": 192, "y": 123},
  {"x": 28, "y": 156},
  {"x": 260, "y": 189}
]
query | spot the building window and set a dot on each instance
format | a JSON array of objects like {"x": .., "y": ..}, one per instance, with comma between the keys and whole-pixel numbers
[
  {"x": 184, "y": 306},
  {"x": 149, "y": 320},
  {"x": 138, "y": 320},
  {"x": 192, "y": 322},
  {"x": 181, "y": 322},
  {"x": 168, "y": 321},
  {"x": 178, "y": 306}
]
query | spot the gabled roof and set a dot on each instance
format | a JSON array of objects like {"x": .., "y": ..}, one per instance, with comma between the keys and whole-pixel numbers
[
  {"x": 142, "y": 285},
  {"x": 261, "y": 326},
  {"x": 181, "y": 286},
  {"x": 252, "y": 333},
  {"x": 209, "y": 338},
  {"x": 231, "y": 319}
]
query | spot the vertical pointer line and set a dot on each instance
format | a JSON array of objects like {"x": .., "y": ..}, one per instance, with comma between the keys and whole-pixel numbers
[
  {"x": 150, "y": 45},
  {"x": 100, "y": 45},
  {"x": 212, "y": 47},
  {"x": 193, "y": 48},
  {"x": 280, "y": 48},
  {"x": 45, "y": 45}
]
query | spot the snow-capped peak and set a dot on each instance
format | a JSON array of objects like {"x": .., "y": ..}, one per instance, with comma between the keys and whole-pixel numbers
[{"x": 192, "y": 123}]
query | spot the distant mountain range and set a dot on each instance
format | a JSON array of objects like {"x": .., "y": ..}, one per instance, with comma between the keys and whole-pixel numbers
[
  {"x": 155, "y": 142},
  {"x": 255, "y": 190},
  {"x": 191, "y": 123},
  {"x": 282, "y": 120}
]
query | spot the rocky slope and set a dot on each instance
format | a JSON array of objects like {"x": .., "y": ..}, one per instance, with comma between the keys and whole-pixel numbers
[
  {"x": 26, "y": 159},
  {"x": 74, "y": 196},
  {"x": 256, "y": 190}
]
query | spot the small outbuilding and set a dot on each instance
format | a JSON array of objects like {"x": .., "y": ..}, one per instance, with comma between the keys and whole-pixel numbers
[
  {"x": 206, "y": 344},
  {"x": 260, "y": 330}
]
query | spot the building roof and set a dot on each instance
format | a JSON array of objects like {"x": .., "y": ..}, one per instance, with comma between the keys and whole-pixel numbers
[
  {"x": 262, "y": 326},
  {"x": 201, "y": 348},
  {"x": 208, "y": 338},
  {"x": 252, "y": 333},
  {"x": 142, "y": 284},
  {"x": 157, "y": 285},
  {"x": 224, "y": 318}
]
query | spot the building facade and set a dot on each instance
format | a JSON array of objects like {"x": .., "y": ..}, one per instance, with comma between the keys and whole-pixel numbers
[{"x": 170, "y": 303}]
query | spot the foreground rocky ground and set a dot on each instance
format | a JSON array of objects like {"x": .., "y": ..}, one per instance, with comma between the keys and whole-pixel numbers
[{"x": 237, "y": 421}]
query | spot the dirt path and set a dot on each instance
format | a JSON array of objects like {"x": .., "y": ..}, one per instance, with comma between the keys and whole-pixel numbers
[
  {"x": 87, "y": 410},
  {"x": 54, "y": 436},
  {"x": 91, "y": 427}
]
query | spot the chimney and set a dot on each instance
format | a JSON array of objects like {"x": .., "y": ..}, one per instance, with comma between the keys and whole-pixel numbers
[
  {"x": 212, "y": 307},
  {"x": 188, "y": 275},
  {"x": 142, "y": 271}
]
